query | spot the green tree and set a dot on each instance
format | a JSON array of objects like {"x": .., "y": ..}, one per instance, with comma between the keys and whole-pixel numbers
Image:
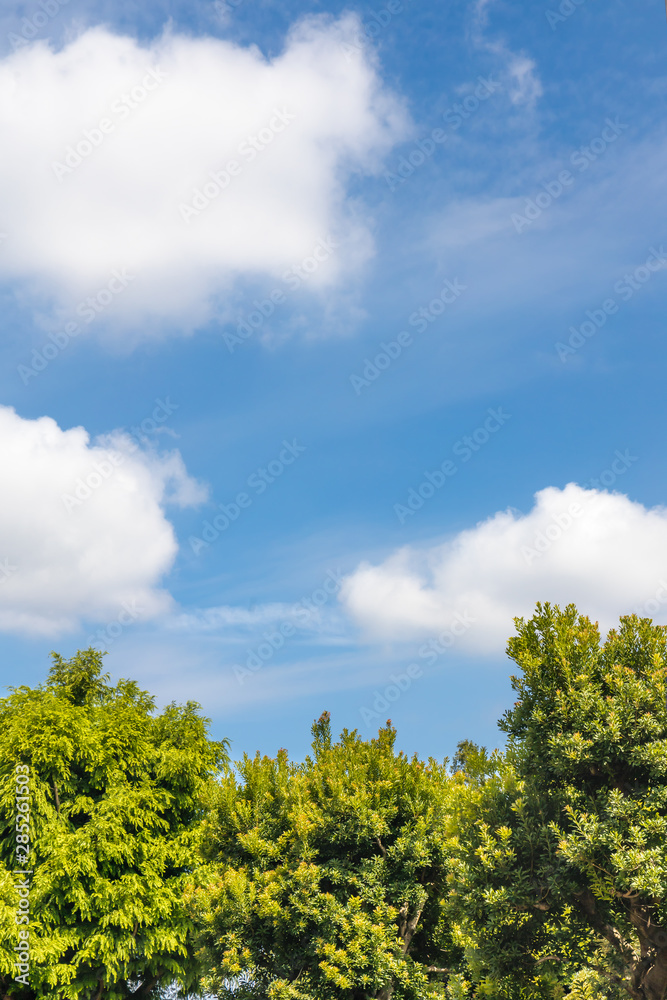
[
  {"x": 327, "y": 876},
  {"x": 563, "y": 884},
  {"x": 116, "y": 795}
]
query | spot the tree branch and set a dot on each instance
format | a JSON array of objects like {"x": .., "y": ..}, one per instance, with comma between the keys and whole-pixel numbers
[
  {"x": 407, "y": 927},
  {"x": 406, "y": 931},
  {"x": 617, "y": 980},
  {"x": 586, "y": 901},
  {"x": 145, "y": 988}
]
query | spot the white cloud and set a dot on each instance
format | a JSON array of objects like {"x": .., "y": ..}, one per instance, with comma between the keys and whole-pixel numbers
[
  {"x": 526, "y": 86},
  {"x": 228, "y": 616},
  {"x": 476, "y": 238},
  {"x": 480, "y": 15},
  {"x": 82, "y": 525},
  {"x": 599, "y": 550},
  {"x": 186, "y": 667},
  {"x": 519, "y": 71},
  {"x": 236, "y": 622},
  {"x": 471, "y": 221},
  {"x": 174, "y": 112}
]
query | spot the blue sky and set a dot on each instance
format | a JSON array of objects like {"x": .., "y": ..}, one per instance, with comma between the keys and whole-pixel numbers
[{"x": 421, "y": 301}]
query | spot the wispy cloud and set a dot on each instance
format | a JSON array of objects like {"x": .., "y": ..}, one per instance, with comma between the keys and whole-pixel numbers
[
  {"x": 526, "y": 87},
  {"x": 519, "y": 70},
  {"x": 230, "y": 620}
]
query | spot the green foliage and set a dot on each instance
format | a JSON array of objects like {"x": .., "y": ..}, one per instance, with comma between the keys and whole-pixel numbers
[
  {"x": 473, "y": 762},
  {"x": 359, "y": 874},
  {"x": 588, "y": 985},
  {"x": 568, "y": 868},
  {"x": 327, "y": 877},
  {"x": 116, "y": 795}
]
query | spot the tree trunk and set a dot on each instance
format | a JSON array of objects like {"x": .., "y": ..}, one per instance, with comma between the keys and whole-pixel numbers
[
  {"x": 654, "y": 980},
  {"x": 650, "y": 974},
  {"x": 406, "y": 932},
  {"x": 646, "y": 967}
]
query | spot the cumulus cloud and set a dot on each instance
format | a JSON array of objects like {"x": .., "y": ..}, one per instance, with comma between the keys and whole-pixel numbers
[
  {"x": 186, "y": 164},
  {"x": 83, "y": 533},
  {"x": 600, "y": 550}
]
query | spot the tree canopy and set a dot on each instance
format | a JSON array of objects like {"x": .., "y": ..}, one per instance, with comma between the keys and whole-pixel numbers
[
  {"x": 329, "y": 874},
  {"x": 567, "y": 870},
  {"x": 154, "y": 863},
  {"x": 116, "y": 792}
]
